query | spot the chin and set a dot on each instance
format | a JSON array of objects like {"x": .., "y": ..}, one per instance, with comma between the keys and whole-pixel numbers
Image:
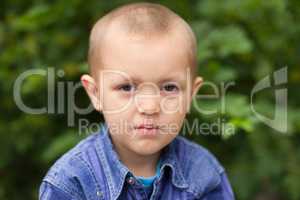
[{"x": 148, "y": 149}]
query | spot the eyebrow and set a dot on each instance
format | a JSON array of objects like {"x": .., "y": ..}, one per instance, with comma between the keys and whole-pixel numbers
[{"x": 171, "y": 78}]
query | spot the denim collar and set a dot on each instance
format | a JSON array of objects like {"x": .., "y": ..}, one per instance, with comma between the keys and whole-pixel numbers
[{"x": 116, "y": 178}]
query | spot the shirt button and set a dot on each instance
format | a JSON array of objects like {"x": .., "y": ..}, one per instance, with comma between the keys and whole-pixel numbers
[
  {"x": 99, "y": 194},
  {"x": 130, "y": 180}
]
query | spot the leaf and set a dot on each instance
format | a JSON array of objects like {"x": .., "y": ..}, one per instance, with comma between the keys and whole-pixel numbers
[{"x": 60, "y": 145}]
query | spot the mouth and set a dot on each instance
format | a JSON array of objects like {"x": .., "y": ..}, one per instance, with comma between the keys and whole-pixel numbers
[
  {"x": 147, "y": 129},
  {"x": 147, "y": 126}
]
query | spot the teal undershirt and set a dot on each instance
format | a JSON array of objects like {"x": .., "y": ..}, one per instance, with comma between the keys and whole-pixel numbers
[{"x": 148, "y": 181}]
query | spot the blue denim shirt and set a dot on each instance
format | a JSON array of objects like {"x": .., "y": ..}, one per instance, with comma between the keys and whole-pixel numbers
[{"x": 92, "y": 171}]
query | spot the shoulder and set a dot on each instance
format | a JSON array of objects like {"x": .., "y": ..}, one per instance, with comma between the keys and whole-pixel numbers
[
  {"x": 67, "y": 171},
  {"x": 193, "y": 152},
  {"x": 200, "y": 167}
]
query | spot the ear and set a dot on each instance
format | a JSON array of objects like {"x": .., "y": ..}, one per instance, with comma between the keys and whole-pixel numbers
[
  {"x": 196, "y": 84},
  {"x": 91, "y": 89}
]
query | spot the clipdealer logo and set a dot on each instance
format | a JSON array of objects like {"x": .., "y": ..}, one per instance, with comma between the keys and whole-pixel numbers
[
  {"x": 280, "y": 78},
  {"x": 57, "y": 91}
]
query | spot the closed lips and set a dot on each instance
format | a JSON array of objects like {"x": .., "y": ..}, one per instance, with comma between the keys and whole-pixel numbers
[{"x": 146, "y": 126}]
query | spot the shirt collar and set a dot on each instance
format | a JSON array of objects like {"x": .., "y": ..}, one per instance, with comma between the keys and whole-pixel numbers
[
  {"x": 115, "y": 171},
  {"x": 117, "y": 176},
  {"x": 169, "y": 159}
]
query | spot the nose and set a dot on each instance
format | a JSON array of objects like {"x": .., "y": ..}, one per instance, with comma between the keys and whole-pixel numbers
[
  {"x": 148, "y": 101},
  {"x": 147, "y": 104}
]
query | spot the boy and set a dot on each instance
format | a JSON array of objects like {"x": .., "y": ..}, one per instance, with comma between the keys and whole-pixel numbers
[{"x": 142, "y": 60}]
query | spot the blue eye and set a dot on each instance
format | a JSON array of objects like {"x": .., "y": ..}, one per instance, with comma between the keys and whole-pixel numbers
[
  {"x": 126, "y": 87},
  {"x": 170, "y": 87}
]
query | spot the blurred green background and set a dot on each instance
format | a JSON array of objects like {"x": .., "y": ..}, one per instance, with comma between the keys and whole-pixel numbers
[{"x": 240, "y": 41}]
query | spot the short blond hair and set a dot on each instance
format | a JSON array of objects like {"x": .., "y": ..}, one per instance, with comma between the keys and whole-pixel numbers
[{"x": 143, "y": 19}]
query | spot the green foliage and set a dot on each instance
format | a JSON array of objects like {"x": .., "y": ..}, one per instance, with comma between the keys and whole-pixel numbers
[{"x": 238, "y": 41}]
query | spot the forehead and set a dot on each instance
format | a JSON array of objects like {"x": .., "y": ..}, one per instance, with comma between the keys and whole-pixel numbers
[{"x": 150, "y": 58}]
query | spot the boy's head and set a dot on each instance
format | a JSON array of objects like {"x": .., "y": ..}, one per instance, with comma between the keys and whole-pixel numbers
[{"x": 142, "y": 60}]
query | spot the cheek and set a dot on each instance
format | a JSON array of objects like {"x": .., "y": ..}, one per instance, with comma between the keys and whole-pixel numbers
[
  {"x": 119, "y": 119},
  {"x": 174, "y": 104},
  {"x": 118, "y": 125},
  {"x": 173, "y": 121},
  {"x": 115, "y": 103}
]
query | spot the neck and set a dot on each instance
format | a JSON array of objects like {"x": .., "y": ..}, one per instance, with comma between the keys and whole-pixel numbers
[{"x": 139, "y": 165}]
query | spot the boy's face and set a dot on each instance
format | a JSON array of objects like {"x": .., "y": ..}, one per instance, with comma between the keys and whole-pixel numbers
[{"x": 144, "y": 89}]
